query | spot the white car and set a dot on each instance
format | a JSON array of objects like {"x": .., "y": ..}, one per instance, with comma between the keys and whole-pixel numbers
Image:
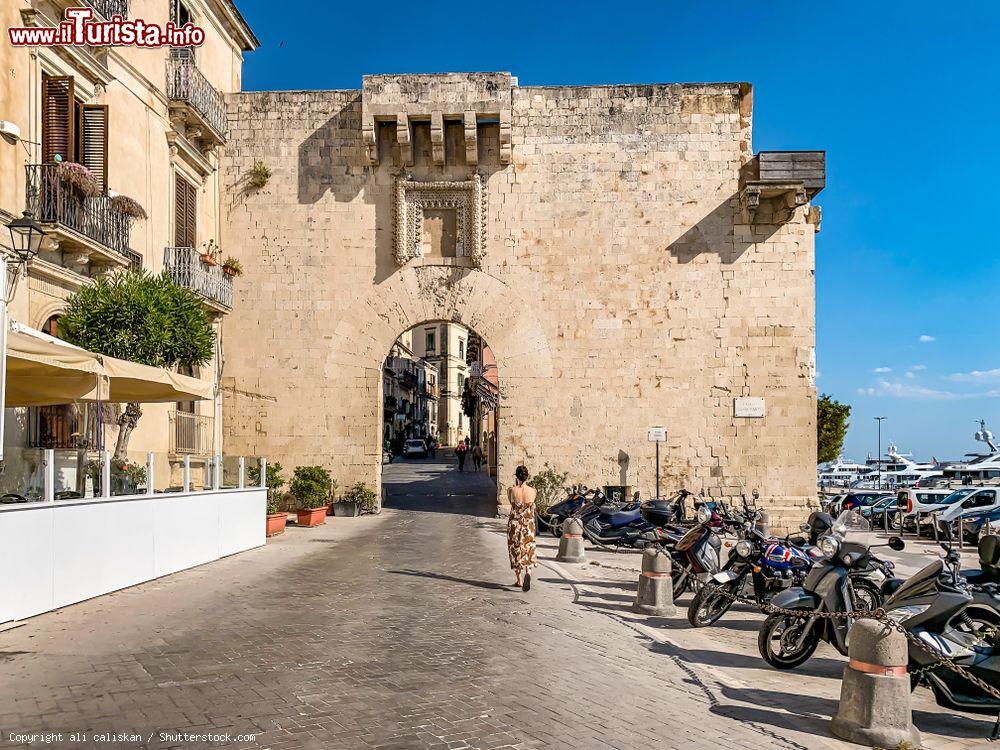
[
  {"x": 415, "y": 448},
  {"x": 977, "y": 503},
  {"x": 915, "y": 504}
]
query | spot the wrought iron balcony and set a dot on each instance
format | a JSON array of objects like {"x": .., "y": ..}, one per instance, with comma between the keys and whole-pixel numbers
[
  {"x": 66, "y": 426},
  {"x": 109, "y": 8},
  {"x": 186, "y": 267},
  {"x": 75, "y": 216},
  {"x": 195, "y": 103}
]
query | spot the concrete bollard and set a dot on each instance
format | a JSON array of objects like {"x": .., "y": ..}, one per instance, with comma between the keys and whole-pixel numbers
[
  {"x": 656, "y": 594},
  {"x": 875, "y": 692},
  {"x": 571, "y": 542}
]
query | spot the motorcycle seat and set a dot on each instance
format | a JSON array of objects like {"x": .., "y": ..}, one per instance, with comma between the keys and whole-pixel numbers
[
  {"x": 989, "y": 556},
  {"x": 622, "y": 518},
  {"x": 798, "y": 541}
]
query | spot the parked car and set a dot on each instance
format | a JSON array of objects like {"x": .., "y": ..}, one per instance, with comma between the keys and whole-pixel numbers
[
  {"x": 979, "y": 503},
  {"x": 881, "y": 512},
  {"x": 915, "y": 505},
  {"x": 415, "y": 448},
  {"x": 856, "y": 499}
]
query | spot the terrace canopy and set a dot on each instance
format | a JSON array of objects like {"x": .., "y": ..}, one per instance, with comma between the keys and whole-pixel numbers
[{"x": 42, "y": 371}]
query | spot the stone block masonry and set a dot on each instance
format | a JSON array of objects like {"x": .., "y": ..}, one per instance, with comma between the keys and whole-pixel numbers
[{"x": 616, "y": 281}]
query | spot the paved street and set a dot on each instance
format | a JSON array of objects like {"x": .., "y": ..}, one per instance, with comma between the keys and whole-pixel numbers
[{"x": 399, "y": 631}]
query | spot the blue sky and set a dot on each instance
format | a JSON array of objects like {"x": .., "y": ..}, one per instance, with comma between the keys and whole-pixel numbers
[{"x": 901, "y": 95}]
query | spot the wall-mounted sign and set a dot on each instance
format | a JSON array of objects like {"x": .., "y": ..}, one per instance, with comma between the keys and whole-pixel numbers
[
  {"x": 476, "y": 369},
  {"x": 657, "y": 434},
  {"x": 748, "y": 406}
]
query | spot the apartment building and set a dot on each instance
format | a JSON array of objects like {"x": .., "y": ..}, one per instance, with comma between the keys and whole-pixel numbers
[
  {"x": 445, "y": 347},
  {"x": 115, "y": 152}
]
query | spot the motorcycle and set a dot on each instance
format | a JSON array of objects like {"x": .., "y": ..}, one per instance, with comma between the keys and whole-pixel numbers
[
  {"x": 942, "y": 609},
  {"x": 835, "y": 584},
  {"x": 705, "y": 548},
  {"x": 621, "y": 527},
  {"x": 759, "y": 566}
]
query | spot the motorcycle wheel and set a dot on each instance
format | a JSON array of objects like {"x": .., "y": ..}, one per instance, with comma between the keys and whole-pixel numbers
[
  {"x": 555, "y": 526},
  {"x": 776, "y": 636},
  {"x": 708, "y": 606},
  {"x": 865, "y": 595}
]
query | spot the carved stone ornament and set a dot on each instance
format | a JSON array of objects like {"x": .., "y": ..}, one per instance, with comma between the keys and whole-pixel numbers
[{"x": 411, "y": 198}]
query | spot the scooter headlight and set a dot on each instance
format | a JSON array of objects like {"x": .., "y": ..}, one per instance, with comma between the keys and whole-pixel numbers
[
  {"x": 829, "y": 545},
  {"x": 903, "y": 614},
  {"x": 704, "y": 515},
  {"x": 743, "y": 548}
]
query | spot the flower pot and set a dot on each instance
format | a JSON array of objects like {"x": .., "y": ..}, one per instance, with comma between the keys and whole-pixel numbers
[
  {"x": 276, "y": 524},
  {"x": 345, "y": 509},
  {"x": 208, "y": 260},
  {"x": 310, "y": 516},
  {"x": 228, "y": 271}
]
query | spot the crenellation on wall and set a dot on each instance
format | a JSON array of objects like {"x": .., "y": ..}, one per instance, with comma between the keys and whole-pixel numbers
[{"x": 619, "y": 288}]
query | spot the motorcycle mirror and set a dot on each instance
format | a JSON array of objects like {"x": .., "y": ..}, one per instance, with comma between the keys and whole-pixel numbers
[
  {"x": 895, "y": 543},
  {"x": 945, "y": 532},
  {"x": 755, "y": 494}
]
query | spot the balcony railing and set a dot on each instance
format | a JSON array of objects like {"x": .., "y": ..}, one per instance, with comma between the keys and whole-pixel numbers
[
  {"x": 53, "y": 201},
  {"x": 186, "y": 268},
  {"x": 109, "y": 8},
  {"x": 190, "y": 433},
  {"x": 185, "y": 83}
]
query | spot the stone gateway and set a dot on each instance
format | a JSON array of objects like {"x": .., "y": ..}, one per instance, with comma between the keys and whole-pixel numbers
[{"x": 624, "y": 253}]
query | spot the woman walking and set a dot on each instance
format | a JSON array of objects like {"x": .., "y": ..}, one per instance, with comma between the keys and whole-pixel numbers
[{"x": 521, "y": 528}]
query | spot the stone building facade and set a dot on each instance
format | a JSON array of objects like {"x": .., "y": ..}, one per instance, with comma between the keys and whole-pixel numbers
[{"x": 625, "y": 255}]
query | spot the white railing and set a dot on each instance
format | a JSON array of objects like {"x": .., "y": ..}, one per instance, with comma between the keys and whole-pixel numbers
[{"x": 186, "y": 267}]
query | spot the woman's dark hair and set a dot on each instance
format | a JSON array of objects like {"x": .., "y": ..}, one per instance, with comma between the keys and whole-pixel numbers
[{"x": 521, "y": 473}]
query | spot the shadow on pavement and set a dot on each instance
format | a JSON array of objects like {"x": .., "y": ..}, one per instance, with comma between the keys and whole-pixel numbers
[{"x": 455, "y": 579}]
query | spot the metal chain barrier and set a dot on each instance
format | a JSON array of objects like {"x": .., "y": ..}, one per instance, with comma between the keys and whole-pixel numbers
[{"x": 878, "y": 614}]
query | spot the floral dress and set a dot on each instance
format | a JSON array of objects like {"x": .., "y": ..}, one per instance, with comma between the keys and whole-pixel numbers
[{"x": 521, "y": 532}]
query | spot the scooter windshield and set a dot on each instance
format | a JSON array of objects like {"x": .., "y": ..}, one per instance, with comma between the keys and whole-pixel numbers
[{"x": 850, "y": 520}]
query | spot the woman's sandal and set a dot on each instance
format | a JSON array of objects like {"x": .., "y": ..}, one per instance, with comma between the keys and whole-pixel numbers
[{"x": 527, "y": 582}]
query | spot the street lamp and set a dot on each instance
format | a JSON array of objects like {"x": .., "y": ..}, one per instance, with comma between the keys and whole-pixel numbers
[
  {"x": 26, "y": 236},
  {"x": 878, "y": 456}
]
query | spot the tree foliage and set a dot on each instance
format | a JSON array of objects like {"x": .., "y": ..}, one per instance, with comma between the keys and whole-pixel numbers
[
  {"x": 139, "y": 317},
  {"x": 831, "y": 427}
]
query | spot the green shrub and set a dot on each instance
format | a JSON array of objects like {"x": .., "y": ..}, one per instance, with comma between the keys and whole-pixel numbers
[
  {"x": 549, "y": 486},
  {"x": 361, "y": 494},
  {"x": 275, "y": 481},
  {"x": 311, "y": 486}
]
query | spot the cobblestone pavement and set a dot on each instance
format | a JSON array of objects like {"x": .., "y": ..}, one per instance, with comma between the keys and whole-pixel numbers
[{"x": 399, "y": 631}]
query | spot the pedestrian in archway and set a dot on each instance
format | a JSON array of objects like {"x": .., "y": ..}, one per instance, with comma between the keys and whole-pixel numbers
[
  {"x": 521, "y": 528},
  {"x": 477, "y": 456},
  {"x": 460, "y": 451}
]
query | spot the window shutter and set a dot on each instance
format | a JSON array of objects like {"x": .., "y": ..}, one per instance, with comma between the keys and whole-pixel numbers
[
  {"x": 58, "y": 132},
  {"x": 94, "y": 141},
  {"x": 185, "y": 207}
]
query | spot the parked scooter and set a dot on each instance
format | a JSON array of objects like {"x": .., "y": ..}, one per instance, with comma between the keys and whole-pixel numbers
[
  {"x": 759, "y": 566},
  {"x": 941, "y": 608},
  {"x": 833, "y": 585},
  {"x": 705, "y": 549},
  {"x": 621, "y": 527}
]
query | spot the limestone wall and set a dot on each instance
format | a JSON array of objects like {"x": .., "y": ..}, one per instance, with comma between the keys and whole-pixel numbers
[{"x": 619, "y": 289}]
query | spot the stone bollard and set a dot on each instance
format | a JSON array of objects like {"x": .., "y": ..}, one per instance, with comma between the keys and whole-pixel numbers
[
  {"x": 875, "y": 693},
  {"x": 571, "y": 542},
  {"x": 656, "y": 594}
]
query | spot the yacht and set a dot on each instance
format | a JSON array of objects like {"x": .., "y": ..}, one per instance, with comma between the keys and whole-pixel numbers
[
  {"x": 980, "y": 466},
  {"x": 842, "y": 473},
  {"x": 899, "y": 470}
]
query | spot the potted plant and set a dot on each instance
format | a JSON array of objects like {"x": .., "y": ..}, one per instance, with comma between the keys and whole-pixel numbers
[
  {"x": 232, "y": 267},
  {"x": 276, "y": 519},
  {"x": 311, "y": 487},
  {"x": 130, "y": 207},
  {"x": 127, "y": 478},
  {"x": 79, "y": 178},
  {"x": 359, "y": 497},
  {"x": 209, "y": 257}
]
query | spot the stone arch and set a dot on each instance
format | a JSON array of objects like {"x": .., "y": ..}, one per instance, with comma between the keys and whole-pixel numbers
[
  {"x": 42, "y": 313},
  {"x": 420, "y": 294}
]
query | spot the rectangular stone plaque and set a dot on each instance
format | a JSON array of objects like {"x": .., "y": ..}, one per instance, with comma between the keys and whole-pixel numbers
[{"x": 748, "y": 406}]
